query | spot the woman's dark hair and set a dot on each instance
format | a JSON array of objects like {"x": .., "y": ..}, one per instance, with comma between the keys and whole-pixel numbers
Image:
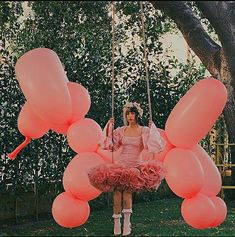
[{"x": 137, "y": 115}]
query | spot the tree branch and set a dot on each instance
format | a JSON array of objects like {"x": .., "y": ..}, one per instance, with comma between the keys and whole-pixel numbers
[
  {"x": 199, "y": 41},
  {"x": 222, "y": 18}
]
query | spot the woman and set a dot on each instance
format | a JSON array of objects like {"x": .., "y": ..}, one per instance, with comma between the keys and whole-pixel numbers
[{"x": 129, "y": 172}]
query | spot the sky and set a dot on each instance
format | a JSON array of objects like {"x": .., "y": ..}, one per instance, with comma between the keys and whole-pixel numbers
[{"x": 179, "y": 47}]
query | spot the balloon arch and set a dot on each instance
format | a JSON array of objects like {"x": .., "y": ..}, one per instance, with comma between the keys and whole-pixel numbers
[{"x": 53, "y": 102}]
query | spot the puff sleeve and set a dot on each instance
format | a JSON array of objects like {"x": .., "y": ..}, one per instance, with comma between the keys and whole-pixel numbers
[
  {"x": 152, "y": 139},
  {"x": 106, "y": 142}
]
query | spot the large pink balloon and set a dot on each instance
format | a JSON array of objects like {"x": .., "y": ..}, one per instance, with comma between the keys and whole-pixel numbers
[
  {"x": 199, "y": 211},
  {"x": 70, "y": 212},
  {"x": 84, "y": 135},
  {"x": 61, "y": 129},
  {"x": 76, "y": 180},
  {"x": 213, "y": 181},
  {"x": 184, "y": 173},
  {"x": 29, "y": 124},
  {"x": 44, "y": 83},
  {"x": 81, "y": 101},
  {"x": 220, "y": 209},
  {"x": 161, "y": 156},
  {"x": 193, "y": 116}
]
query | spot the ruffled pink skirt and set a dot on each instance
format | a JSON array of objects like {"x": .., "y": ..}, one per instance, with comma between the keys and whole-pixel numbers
[{"x": 145, "y": 177}]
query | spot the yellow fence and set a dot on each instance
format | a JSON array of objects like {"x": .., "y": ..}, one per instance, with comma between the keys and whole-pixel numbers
[{"x": 223, "y": 163}]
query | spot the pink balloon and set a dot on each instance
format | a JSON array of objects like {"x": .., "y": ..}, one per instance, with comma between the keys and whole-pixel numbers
[
  {"x": 193, "y": 116},
  {"x": 213, "y": 181},
  {"x": 62, "y": 129},
  {"x": 76, "y": 180},
  {"x": 220, "y": 209},
  {"x": 80, "y": 106},
  {"x": 184, "y": 173},
  {"x": 84, "y": 135},
  {"x": 81, "y": 101},
  {"x": 109, "y": 156},
  {"x": 29, "y": 124},
  {"x": 44, "y": 83},
  {"x": 160, "y": 156},
  {"x": 70, "y": 212},
  {"x": 199, "y": 211}
]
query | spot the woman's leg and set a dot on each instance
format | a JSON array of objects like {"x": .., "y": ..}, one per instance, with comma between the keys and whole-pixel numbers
[
  {"x": 127, "y": 210},
  {"x": 117, "y": 207},
  {"x": 127, "y": 200},
  {"x": 117, "y": 202}
]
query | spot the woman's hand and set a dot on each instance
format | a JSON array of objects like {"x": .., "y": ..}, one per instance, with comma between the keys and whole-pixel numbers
[
  {"x": 111, "y": 121},
  {"x": 150, "y": 123}
]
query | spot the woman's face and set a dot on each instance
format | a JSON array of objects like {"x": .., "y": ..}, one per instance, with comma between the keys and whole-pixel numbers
[{"x": 130, "y": 117}]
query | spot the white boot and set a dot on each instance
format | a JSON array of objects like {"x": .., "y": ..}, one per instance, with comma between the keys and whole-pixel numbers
[
  {"x": 127, "y": 223},
  {"x": 117, "y": 224}
]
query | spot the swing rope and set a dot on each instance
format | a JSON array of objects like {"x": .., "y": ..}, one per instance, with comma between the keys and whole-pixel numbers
[
  {"x": 146, "y": 61},
  {"x": 113, "y": 74},
  {"x": 113, "y": 52}
]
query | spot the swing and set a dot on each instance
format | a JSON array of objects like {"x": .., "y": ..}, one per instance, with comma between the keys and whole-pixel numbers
[
  {"x": 110, "y": 156},
  {"x": 129, "y": 173}
]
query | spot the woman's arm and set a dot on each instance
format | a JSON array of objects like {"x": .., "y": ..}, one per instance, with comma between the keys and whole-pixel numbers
[{"x": 110, "y": 140}]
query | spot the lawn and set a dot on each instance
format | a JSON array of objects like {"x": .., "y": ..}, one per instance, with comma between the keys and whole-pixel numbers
[{"x": 156, "y": 218}]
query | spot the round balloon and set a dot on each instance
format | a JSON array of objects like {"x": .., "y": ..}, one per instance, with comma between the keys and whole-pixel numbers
[
  {"x": 76, "y": 180},
  {"x": 184, "y": 173},
  {"x": 81, "y": 101},
  {"x": 193, "y": 116},
  {"x": 29, "y": 124},
  {"x": 213, "y": 181},
  {"x": 84, "y": 135},
  {"x": 70, "y": 212},
  {"x": 220, "y": 209},
  {"x": 199, "y": 211}
]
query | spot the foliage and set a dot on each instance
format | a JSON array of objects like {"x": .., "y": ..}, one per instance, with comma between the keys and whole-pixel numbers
[{"x": 10, "y": 21}]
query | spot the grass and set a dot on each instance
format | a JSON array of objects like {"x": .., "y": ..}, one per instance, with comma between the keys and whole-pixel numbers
[{"x": 155, "y": 218}]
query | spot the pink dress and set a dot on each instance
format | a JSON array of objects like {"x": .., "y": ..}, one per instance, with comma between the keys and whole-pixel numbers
[{"x": 129, "y": 171}]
